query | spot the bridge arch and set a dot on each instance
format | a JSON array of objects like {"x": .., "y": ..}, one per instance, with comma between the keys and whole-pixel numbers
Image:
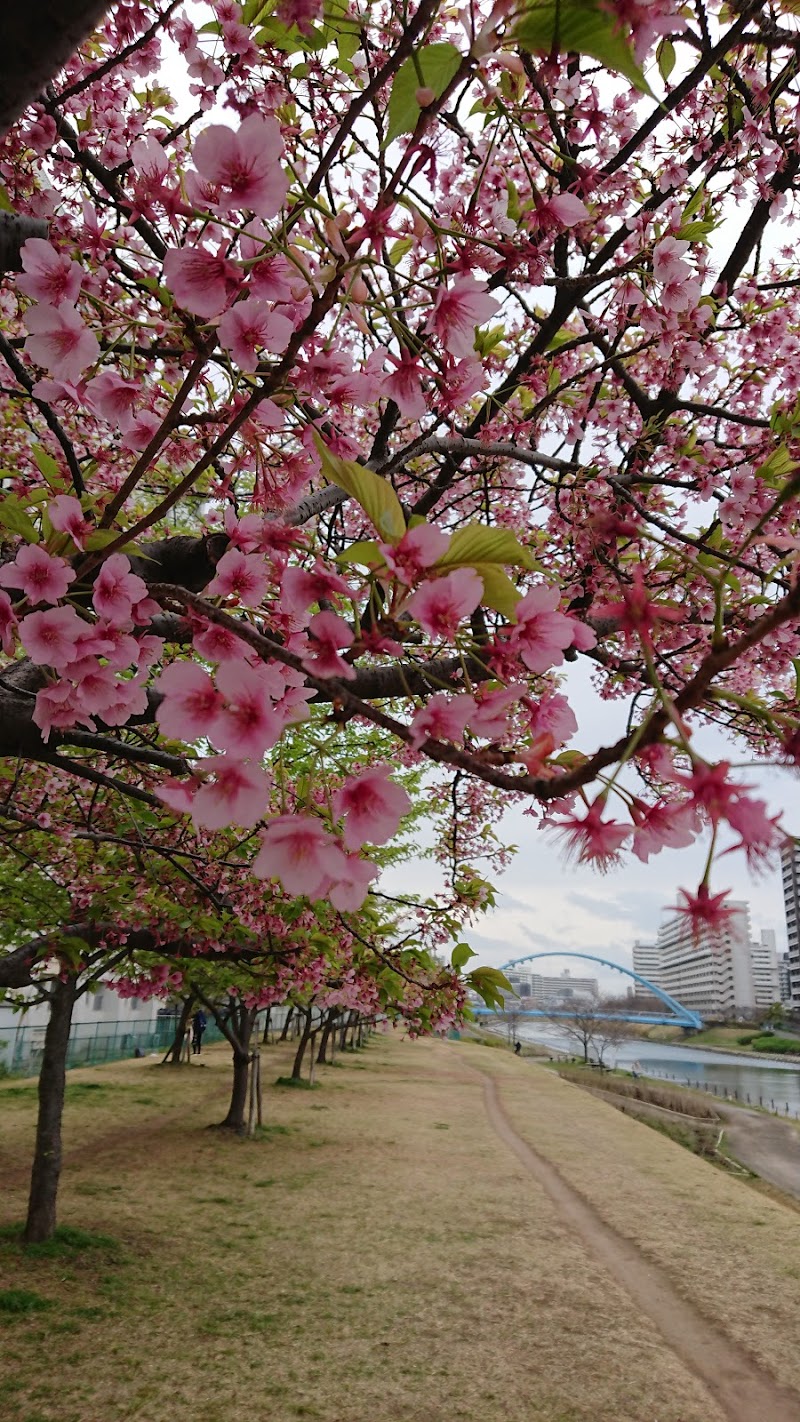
[{"x": 684, "y": 1016}]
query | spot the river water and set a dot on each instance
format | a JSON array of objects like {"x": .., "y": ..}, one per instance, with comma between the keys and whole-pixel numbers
[{"x": 774, "y": 1085}]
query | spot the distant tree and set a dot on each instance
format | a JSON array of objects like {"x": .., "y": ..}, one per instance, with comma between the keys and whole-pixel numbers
[{"x": 587, "y": 1024}]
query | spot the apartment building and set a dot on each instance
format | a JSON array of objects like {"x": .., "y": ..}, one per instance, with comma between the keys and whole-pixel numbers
[
  {"x": 647, "y": 961},
  {"x": 790, "y": 869},
  {"x": 722, "y": 976},
  {"x": 540, "y": 991},
  {"x": 766, "y": 974}
]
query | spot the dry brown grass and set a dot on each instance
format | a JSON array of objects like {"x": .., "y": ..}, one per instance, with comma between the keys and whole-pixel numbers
[
  {"x": 732, "y": 1250},
  {"x": 384, "y": 1258},
  {"x": 687, "y": 1103}
]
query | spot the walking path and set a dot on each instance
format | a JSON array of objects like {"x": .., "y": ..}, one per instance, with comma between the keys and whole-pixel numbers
[
  {"x": 743, "y": 1390},
  {"x": 765, "y": 1144}
]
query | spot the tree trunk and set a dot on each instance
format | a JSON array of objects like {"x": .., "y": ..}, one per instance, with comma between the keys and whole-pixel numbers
[
  {"x": 41, "y": 1222},
  {"x": 175, "y": 1054},
  {"x": 267, "y": 1025},
  {"x": 301, "y": 1050},
  {"x": 240, "y": 1031},
  {"x": 235, "y": 1119},
  {"x": 36, "y": 40},
  {"x": 285, "y": 1031},
  {"x": 322, "y": 1054}
]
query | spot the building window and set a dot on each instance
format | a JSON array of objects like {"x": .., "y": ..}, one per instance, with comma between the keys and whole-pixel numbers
[{"x": 98, "y": 1001}]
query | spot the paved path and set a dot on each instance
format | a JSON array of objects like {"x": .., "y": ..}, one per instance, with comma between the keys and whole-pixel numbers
[
  {"x": 765, "y": 1144},
  {"x": 744, "y": 1391}
]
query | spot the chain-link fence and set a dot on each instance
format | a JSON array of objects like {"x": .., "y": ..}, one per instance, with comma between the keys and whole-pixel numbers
[{"x": 91, "y": 1042}]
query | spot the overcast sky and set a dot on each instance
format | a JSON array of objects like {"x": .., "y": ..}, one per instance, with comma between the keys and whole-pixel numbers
[{"x": 546, "y": 904}]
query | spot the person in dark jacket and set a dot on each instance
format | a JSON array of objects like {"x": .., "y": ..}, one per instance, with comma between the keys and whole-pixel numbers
[{"x": 198, "y": 1028}]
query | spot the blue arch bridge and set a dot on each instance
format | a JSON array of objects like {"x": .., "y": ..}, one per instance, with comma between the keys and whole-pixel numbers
[{"x": 675, "y": 1013}]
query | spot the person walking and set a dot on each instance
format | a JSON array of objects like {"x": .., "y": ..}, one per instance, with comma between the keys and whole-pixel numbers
[{"x": 198, "y": 1028}]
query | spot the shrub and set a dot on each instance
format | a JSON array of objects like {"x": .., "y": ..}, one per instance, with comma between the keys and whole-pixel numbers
[
  {"x": 747, "y": 1039},
  {"x": 777, "y": 1045}
]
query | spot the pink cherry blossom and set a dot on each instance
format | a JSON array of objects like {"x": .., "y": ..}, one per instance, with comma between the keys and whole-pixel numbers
[
  {"x": 554, "y": 716},
  {"x": 8, "y": 622},
  {"x": 244, "y": 576},
  {"x": 59, "y": 341},
  {"x": 238, "y": 794},
  {"x": 444, "y": 718},
  {"x": 244, "y": 166},
  {"x": 707, "y": 913},
  {"x": 591, "y": 839},
  {"x": 202, "y": 281},
  {"x": 347, "y": 888},
  {"x": 50, "y": 638},
  {"x": 301, "y": 587},
  {"x": 328, "y": 634},
  {"x": 217, "y": 644},
  {"x": 457, "y": 310},
  {"x": 418, "y": 548},
  {"x": 668, "y": 263},
  {"x": 405, "y": 386},
  {"x": 567, "y": 208},
  {"x": 41, "y": 577},
  {"x": 125, "y": 697},
  {"x": 489, "y": 720},
  {"x": 665, "y": 826},
  {"x": 49, "y": 276},
  {"x": 248, "y": 724},
  {"x": 373, "y": 807},
  {"x": 191, "y": 703},
  {"x": 113, "y": 398},
  {"x": 542, "y": 634},
  {"x": 298, "y": 850},
  {"x": 117, "y": 590},
  {"x": 66, "y": 516},
  {"x": 439, "y": 607},
  {"x": 57, "y": 707},
  {"x": 250, "y": 327},
  {"x": 141, "y": 430},
  {"x": 759, "y": 834}
]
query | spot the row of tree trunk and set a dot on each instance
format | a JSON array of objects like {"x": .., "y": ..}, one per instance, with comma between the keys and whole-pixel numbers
[{"x": 319, "y": 1034}]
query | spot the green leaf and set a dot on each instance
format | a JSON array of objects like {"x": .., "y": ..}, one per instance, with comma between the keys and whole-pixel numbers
[
  {"x": 5, "y": 203},
  {"x": 665, "y": 58},
  {"x": 578, "y": 27},
  {"x": 365, "y": 553},
  {"x": 432, "y": 67},
  {"x": 478, "y": 544},
  {"x": 461, "y": 955},
  {"x": 514, "y": 210},
  {"x": 14, "y": 518},
  {"x": 695, "y": 203},
  {"x": 49, "y": 467},
  {"x": 498, "y": 590},
  {"x": 399, "y": 248},
  {"x": 696, "y": 231},
  {"x": 375, "y": 494},
  {"x": 776, "y": 466}
]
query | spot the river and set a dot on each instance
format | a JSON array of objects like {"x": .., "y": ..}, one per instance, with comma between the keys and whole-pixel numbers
[{"x": 775, "y": 1085}]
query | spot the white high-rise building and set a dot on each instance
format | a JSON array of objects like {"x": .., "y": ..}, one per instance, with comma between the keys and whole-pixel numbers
[
  {"x": 783, "y": 975},
  {"x": 766, "y": 977},
  {"x": 790, "y": 868},
  {"x": 647, "y": 961},
  {"x": 712, "y": 974}
]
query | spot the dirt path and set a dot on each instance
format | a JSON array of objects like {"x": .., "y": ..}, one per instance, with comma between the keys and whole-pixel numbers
[
  {"x": 741, "y": 1388},
  {"x": 766, "y": 1145}
]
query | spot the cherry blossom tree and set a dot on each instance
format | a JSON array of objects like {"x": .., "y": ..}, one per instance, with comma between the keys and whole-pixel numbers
[{"x": 380, "y": 363}]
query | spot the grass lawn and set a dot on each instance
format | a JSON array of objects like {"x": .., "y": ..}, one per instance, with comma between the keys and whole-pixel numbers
[
  {"x": 377, "y": 1256},
  {"x": 726, "y": 1038}
]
